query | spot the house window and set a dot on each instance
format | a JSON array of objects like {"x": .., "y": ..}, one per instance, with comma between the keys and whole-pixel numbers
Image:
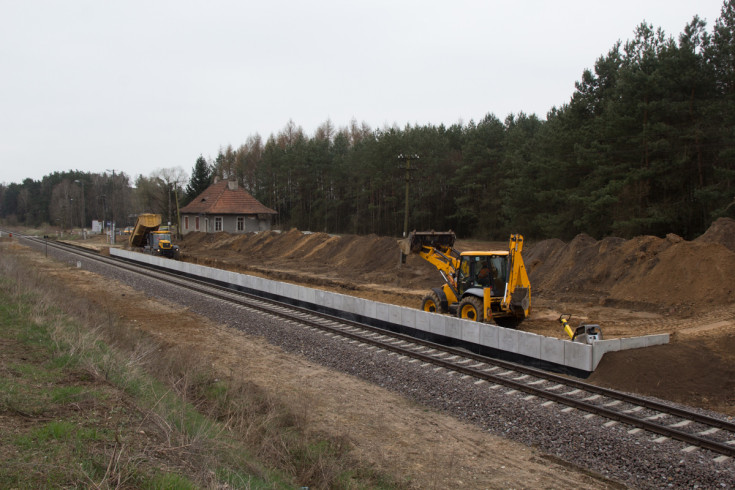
[
  {"x": 240, "y": 223},
  {"x": 186, "y": 222},
  {"x": 218, "y": 223},
  {"x": 196, "y": 223}
]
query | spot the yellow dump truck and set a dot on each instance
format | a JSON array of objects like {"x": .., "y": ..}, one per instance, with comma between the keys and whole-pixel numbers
[
  {"x": 478, "y": 285},
  {"x": 149, "y": 235}
]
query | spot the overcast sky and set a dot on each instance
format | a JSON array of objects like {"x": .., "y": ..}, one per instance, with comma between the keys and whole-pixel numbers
[{"x": 134, "y": 86}]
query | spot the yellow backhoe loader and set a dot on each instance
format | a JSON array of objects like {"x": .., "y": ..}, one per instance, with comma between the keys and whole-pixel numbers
[{"x": 478, "y": 285}]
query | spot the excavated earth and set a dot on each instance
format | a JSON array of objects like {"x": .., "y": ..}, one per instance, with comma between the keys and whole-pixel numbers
[
  {"x": 629, "y": 287},
  {"x": 645, "y": 285}
]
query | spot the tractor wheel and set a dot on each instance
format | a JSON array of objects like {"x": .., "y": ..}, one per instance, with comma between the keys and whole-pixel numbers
[
  {"x": 470, "y": 308},
  {"x": 432, "y": 304}
]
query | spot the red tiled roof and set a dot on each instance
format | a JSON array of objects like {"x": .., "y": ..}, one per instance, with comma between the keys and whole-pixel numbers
[{"x": 220, "y": 199}]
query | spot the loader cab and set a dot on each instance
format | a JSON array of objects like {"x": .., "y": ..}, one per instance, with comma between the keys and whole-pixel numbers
[
  {"x": 160, "y": 239},
  {"x": 160, "y": 243},
  {"x": 481, "y": 270}
]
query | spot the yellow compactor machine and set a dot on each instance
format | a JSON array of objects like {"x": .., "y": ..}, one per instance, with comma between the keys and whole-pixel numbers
[
  {"x": 478, "y": 285},
  {"x": 149, "y": 236}
]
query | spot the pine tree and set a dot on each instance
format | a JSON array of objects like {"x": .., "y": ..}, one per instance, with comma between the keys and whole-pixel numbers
[{"x": 201, "y": 178}]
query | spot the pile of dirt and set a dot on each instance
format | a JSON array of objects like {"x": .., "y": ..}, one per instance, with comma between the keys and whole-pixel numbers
[
  {"x": 360, "y": 259},
  {"x": 633, "y": 287},
  {"x": 650, "y": 272},
  {"x": 697, "y": 372},
  {"x": 721, "y": 231}
]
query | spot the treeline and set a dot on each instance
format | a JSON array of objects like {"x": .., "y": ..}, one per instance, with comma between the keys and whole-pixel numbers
[
  {"x": 73, "y": 199},
  {"x": 645, "y": 145},
  {"x": 67, "y": 200}
]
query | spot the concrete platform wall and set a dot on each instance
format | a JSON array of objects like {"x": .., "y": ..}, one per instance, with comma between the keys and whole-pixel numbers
[{"x": 573, "y": 355}]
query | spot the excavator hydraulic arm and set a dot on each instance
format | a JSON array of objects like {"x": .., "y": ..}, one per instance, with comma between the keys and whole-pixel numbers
[
  {"x": 517, "y": 297},
  {"x": 436, "y": 248}
]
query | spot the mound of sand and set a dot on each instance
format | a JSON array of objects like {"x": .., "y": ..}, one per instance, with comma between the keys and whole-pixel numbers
[
  {"x": 363, "y": 259},
  {"x": 643, "y": 285},
  {"x": 721, "y": 231},
  {"x": 645, "y": 271}
]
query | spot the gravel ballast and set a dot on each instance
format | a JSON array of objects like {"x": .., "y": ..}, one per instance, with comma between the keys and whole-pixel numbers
[{"x": 631, "y": 459}]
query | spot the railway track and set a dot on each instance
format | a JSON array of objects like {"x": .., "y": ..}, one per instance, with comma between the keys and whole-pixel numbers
[{"x": 641, "y": 415}]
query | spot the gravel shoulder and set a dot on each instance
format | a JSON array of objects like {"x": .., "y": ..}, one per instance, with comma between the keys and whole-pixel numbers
[
  {"x": 697, "y": 369},
  {"x": 419, "y": 444}
]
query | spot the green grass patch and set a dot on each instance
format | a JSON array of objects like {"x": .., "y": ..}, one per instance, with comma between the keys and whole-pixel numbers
[
  {"x": 71, "y": 394},
  {"x": 57, "y": 430},
  {"x": 99, "y": 406},
  {"x": 169, "y": 481}
]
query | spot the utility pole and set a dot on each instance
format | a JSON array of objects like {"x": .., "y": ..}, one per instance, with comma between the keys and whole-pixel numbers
[
  {"x": 104, "y": 211},
  {"x": 112, "y": 195},
  {"x": 407, "y": 158},
  {"x": 178, "y": 214},
  {"x": 112, "y": 206},
  {"x": 84, "y": 214}
]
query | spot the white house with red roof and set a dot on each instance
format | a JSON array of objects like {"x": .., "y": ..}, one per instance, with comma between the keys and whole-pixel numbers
[{"x": 224, "y": 206}]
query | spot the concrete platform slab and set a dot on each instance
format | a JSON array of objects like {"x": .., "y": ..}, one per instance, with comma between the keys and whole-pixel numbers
[
  {"x": 529, "y": 345},
  {"x": 454, "y": 327},
  {"x": 489, "y": 336},
  {"x": 578, "y": 356},
  {"x": 645, "y": 341},
  {"x": 307, "y": 295},
  {"x": 552, "y": 350},
  {"x": 574, "y": 355},
  {"x": 323, "y": 298},
  {"x": 508, "y": 339},
  {"x": 471, "y": 332},
  {"x": 437, "y": 324},
  {"x": 370, "y": 309},
  {"x": 408, "y": 317}
]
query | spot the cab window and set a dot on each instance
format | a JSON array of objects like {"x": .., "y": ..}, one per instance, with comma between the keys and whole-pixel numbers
[{"x": 483, "y": 271}]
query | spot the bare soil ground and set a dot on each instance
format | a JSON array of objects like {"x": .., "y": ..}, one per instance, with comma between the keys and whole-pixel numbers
[
  {"x": 641, "y": 286},
  {"x": 422, "y": 448},
  {"x": 629, "y": 287},
  {"x": 645, "y": 285}
]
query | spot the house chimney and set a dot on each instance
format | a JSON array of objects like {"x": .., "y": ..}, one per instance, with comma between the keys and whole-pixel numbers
[
  {"x": 216, "y": 179},
  {"x": 232, "y": 185}
]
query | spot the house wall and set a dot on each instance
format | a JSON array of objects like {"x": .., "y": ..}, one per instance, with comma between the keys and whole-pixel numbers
[{"x": 229, "y": 223}]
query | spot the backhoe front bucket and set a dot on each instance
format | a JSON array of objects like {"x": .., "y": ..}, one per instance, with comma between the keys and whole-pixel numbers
[{"x": 416, "y": 240}]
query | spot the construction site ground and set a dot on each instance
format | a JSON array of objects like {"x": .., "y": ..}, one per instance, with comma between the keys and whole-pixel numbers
[
  {"x": 645, "y": 285},
  {"x": 630, "y": 287},
  {"x": 641, "y": 286},
  {"x": 418, "y": 447}
]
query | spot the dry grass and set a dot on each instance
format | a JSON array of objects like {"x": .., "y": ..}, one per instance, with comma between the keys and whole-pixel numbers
[{"x": 159, "y": 418}]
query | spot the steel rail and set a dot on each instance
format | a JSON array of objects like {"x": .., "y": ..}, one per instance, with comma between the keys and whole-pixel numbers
[{"x": 256, "y": 302}]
